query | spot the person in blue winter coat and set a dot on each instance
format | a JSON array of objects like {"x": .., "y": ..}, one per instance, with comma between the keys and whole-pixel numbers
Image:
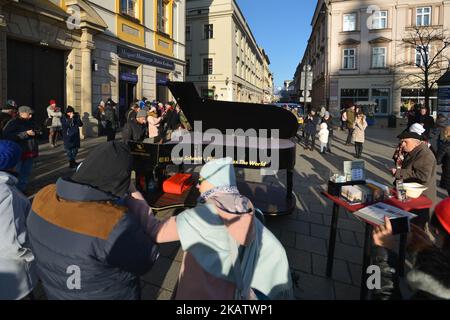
[{"x": 71, "y": 124}]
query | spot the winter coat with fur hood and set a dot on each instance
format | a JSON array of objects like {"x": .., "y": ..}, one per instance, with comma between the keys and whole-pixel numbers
[{"x": 429, "y": 278}]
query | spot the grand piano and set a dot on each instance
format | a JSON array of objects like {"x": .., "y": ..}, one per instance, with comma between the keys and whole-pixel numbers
[{"x": 256, "y": 136}]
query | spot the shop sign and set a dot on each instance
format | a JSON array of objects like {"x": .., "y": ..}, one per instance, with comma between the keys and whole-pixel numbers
[{"x": 145, "y": 58}]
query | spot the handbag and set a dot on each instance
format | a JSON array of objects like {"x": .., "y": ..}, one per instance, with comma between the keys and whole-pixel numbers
[
  {"x": 178, "y": 183},
  {"x": 48, "y": 122}
]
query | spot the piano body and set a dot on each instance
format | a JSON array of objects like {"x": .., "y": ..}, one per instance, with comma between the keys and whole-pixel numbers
[{"x": 256, "y": 136}]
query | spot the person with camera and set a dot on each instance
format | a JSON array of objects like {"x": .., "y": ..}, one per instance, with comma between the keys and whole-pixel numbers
[
  {"x": 71, "y": 123},
  {"x": 22, "y": 130},
  {"x": 429, "y": 277}
]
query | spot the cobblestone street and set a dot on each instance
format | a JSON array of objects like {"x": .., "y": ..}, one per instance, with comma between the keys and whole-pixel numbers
[{"x": 304, "y": 234}]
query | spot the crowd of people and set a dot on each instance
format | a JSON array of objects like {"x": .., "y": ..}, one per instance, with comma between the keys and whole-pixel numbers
[
  {"x": 17, "y": 124},
  {"x": 321, "y": 125},
  {"x": 145, "y": 121}
]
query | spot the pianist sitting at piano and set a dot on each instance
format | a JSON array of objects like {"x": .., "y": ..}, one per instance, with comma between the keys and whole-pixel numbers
[
  {"x": 219, "y": 236},
  {"x": 136, "y": 129}
]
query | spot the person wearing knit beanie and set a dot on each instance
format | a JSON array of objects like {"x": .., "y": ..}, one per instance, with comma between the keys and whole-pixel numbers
[
  {"x": 219, "y": 173},
  {"x": 98, "y": 171}
]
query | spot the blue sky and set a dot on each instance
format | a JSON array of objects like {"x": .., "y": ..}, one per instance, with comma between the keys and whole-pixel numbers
[{"x": 282, "y": 28}]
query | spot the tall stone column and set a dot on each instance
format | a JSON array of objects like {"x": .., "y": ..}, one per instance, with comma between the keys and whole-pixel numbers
[{"x": 87, "y": 45}]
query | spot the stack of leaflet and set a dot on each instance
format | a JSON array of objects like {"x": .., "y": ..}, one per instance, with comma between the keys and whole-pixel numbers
[
  {"x": 371, "y": 192},
  {"x": 375, "y": 214},
  {"x": 352, "y": 194}
]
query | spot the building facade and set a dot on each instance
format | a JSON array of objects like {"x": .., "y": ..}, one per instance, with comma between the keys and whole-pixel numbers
[
  {"x": 223, "y": 58},
  {"x": 80, "y": 52},
  {"x": 268, "y": 80},
  {"x": 369, "y": 51}
]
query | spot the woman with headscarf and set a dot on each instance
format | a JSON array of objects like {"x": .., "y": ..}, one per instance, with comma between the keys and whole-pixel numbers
[{"x": 228, "y": 254}]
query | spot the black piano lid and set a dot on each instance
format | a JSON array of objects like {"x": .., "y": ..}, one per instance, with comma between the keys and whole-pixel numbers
[{"x": 223, "y": 115}]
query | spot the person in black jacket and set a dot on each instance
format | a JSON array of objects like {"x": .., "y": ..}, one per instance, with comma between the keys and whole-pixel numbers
[
  {"x": 89, "y": 242},
  {"x": 443, "y": 158},
  {"x": 137, "y": 129},
  {"x": 111, "y": 119},
  {"x": 132, "y": 112},
  {"x": 71, "y": 124},
  {"x": 423, "y": 117},
  {"x": 23, "y": 131},
  {"x": 7, "y": 113},
  {"x": 311, "y": 123},
  {"x": 429, "y": 277}
]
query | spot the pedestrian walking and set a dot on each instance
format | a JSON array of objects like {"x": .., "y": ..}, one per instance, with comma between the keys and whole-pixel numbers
[
  {"x": 71, "y": 124},
  {"x": 311, "y": 122},
  {"x": 359, "y": 134},
  {"x": 323, "y": 137},
  {"x": 329, "y": 121},
  {"x": 350, "y": 122}
]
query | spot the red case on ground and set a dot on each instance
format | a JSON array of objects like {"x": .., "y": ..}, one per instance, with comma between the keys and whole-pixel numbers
[{"x": 178, "y": 183}]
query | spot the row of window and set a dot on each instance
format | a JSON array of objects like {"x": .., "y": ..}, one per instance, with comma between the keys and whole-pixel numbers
[
  {"x": 379, "y": 55},
  {"x": 208, "y": 32},
  {"x": 380, "y": 19},
  {"x": 130, "y": 8}
]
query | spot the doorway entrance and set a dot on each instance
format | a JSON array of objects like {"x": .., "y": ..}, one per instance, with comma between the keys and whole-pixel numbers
[
  {"x": 162, "y": 93},
  {"x": 127, "y": 90},
  {"x": 36, "y": 74}
]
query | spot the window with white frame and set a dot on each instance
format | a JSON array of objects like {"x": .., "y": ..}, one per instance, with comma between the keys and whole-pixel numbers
[
  {"x": 349, "y": 22},
  {"x": 380, "y": 20},
  {"x": 238, "y": 66},
  {"x": 208, "y": 31},
  {"x": 423, "y": 16},
  {"x": 163, "y": 19},
  {"x": 378, "y": 57},
  {"x": 422, "y": 56},
  {"x": 207, "y": 66},
  {"x": 349, "y": 59},
  {"x": 129, "y": 8}
]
